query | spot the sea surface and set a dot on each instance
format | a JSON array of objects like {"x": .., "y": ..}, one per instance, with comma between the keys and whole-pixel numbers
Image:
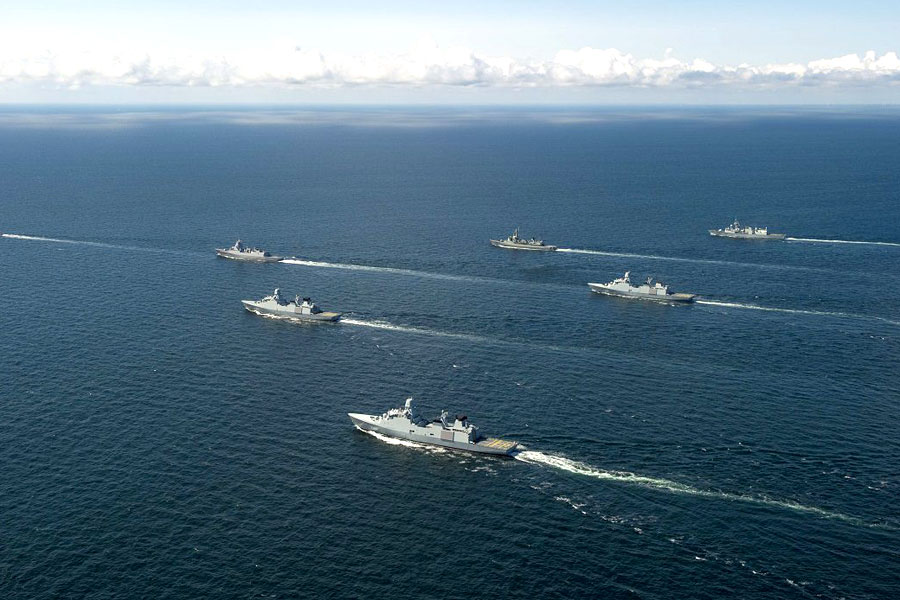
[{"x": 158, "y": 441}]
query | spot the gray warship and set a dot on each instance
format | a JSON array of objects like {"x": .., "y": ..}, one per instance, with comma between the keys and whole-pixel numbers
[
  {"x": 736, "y": 230},
  {"x": 240, "y": 252},
  {"x": 514, "y": 242},
  {"x": 622, "y": 286},
  {"x": 298, "y": 309},
  {"x": 407, "y": 424}
]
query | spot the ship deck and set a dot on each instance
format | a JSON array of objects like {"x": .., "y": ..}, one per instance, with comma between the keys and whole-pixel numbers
[{"x": 497, "y": 444}]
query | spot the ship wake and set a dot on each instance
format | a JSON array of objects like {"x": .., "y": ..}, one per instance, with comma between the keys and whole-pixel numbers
[
  {"x": 36, "y": 238},
  {"x": 797, "y": 311},
  {"x": 823, "y": 241},
  {"x": 571, "y": 466},
  {"x": 480, "y": 339},
  {"x": 417, "y": 330},
  {"x": 392, "y": 270},
  {"x": 704, "y": 261}
]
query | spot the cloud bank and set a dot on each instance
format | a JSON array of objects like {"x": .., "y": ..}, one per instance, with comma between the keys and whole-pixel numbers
[{"x": 429, "y": 66}]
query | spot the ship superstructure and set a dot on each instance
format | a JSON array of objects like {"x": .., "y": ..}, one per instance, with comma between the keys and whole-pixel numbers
[
  {"x": 650, "y": 290},
  {"x": 241, "y": 252},
  {"x": 301, "y": 309},
  {"x": 746, "y": 232},
  {"x": 406, "y": 423},
  {"x": 514, "y": 242}
]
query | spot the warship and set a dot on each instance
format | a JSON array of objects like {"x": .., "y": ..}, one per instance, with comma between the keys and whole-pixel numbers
[
  {"x": 622, "y": 286},
  {"x": 301, "y": 309},
  {"x": 514, "y": 242},
  {"x": 735, "y": 230},
  {"x": 241, "y": 252},
  {"x": 406, "y": 423}
]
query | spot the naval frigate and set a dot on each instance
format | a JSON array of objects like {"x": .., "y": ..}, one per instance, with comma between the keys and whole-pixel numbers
[
  {"x": 737, "y": 231},
  {"x": 514, "y": 242},
  {"x": 622, "y": 286},
  {"x": 406, "y": 423},
  {"x": 300, "y": 309},
  {"x": 241, "y": 252}
]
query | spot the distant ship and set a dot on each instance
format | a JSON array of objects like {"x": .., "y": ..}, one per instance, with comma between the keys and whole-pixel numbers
[
  {"x": 735, "y": 230},
  {"x": 407, "y": 424},
  {"x": 622, "y": 286},
  {"x": 241, "y": 252},
  {"x": 299, "y": 309},
  {"x": 514, "y": 242}
]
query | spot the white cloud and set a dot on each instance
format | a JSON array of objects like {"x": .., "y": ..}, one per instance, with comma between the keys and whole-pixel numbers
[{"x": 425, "y": 65}]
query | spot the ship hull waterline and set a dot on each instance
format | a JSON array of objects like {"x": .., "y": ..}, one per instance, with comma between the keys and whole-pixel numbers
[
  {"x": 669, "y": 298},
  {"x": 747, "y": 236},
  {"x": 366, "y": 423},
  {"x": 323, "y": 317},
  {"x": 502, "y": 244},
  {"x": 237, "y": 256}
]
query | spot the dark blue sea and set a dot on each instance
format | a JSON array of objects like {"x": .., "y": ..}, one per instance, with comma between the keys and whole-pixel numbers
[{"x": 158, "y": 441}]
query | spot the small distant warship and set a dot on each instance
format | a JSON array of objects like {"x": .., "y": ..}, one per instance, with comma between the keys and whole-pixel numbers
[
  {"x": 406, "y": 423},
  {"x": 623, "y": 287},
  {"x": 299, "y": 309},
  {"x": 514, "y": 242},
  {"x": 736, "y": 230},
  {"x": 240, "y": 252}
]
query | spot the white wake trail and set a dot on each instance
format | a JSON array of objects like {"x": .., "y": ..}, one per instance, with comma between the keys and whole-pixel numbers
[
  {"x": 705, "y": 261},
  {"x": 797, "y": 311},
  {"x": 35, "y": 238},
  {"x": 416, "y": 330},
  {"x": 480, "y": 339},
  {"x": 821, "y": 241},
  {"x": 649, "y": 256},
  {"x": 565, "y": 464},
  {"x": 371, "y": 269}
]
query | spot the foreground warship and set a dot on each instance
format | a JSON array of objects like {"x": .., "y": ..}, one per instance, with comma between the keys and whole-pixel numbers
[
  {"x": 407, "y": 424},
  {"x": 514, "y": 242},
  {"x": 299, "y": 309},
  {"x": 241, "y": 252},
  {"x": 735, "y": 230},
  {"x": 622, "y": 286}
]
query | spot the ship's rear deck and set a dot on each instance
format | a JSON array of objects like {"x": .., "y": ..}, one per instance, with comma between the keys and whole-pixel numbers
[{"x": 497, "y": 444}]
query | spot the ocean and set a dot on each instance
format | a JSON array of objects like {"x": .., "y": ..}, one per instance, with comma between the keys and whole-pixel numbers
[{"x": 158, "y": 441}]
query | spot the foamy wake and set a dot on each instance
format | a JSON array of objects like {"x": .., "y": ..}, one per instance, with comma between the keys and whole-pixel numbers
[
  {"x": 797, "y": 311},
  {"x": 35, "y": 238},
  {"x": 393, "y": 270},
  {"x": 648, "y": 256},
  {"x": 407, "y": 443},
  {"x": 706, "y": 261},
  {"x": 376, "y": 325},
  {"x": 702, "y": 261},
  {"x": 579, "y": 506},
  {"x": 820, "y": 241},
  {"x": 564, "y": 464},
  {"x": 416, "y": 330}
]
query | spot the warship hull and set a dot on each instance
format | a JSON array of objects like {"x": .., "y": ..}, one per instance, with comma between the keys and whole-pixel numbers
[
  {"x": 508, "y": 246},
  {"x": 414, "y": 433},
  {"x": 746, "y": 236},
  {"x": 225, "y": 253},
  {"x": 679, "y": 298},
  {"x": 255, "y": 307}
]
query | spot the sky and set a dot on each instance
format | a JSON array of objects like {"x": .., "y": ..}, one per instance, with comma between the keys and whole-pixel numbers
[{"x": 461, "y": 52}]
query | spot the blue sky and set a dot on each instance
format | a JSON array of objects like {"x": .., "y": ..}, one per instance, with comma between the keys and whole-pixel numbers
[{"x": 460, "y": 52}]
